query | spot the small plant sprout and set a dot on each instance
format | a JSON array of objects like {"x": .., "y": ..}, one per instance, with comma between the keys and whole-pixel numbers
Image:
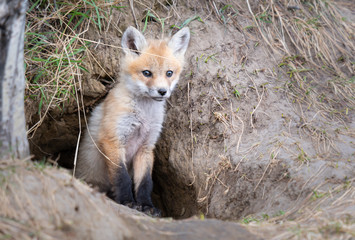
[
  {"x": 236, "y": 93},
  {"x": 187, "y": 22}
]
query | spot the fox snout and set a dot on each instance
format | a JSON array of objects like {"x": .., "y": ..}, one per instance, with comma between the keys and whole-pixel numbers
[
  {"x": 162, "y": 91},
  {"x": 159, "y": 93}
]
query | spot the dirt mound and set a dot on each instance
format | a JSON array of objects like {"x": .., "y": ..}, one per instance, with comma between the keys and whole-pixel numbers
[
  {"x": 42, "y": 202},
  {"x": 261, "y": 126}
]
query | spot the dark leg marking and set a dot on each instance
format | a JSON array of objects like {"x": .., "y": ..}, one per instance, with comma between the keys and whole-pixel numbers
[
  {"x": 143, "y": 196},
  {"x": 123, "y": 187}
]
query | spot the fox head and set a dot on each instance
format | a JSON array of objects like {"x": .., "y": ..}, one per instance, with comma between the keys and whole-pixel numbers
[{"x": 152, "y": 68}]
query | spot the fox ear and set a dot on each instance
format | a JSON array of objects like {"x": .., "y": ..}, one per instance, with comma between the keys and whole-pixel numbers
[
  {"x": 180, "y": 41},
  {"x": 133, "y": 41}
]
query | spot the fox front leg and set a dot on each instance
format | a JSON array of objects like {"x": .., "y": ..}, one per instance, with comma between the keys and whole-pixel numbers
[
  {"x": 120, "y": 179},
  {"x": 123, "y": 187},
  {"x": 143, "y": 166}
]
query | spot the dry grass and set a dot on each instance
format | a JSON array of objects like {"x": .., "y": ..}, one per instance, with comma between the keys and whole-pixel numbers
[
  {"x": 212, "y": 178},
  {"x": 55, "y": 52},
  {"x": 317, "y": 42}
]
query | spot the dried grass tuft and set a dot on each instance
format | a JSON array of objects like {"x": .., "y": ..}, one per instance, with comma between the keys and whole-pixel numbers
[
  {"x": 316, "y": 42},
  {"x": 55, "y": 52}
]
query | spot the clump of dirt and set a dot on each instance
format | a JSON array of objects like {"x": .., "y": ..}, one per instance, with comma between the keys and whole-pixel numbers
[{"x": 255, "y": 126}]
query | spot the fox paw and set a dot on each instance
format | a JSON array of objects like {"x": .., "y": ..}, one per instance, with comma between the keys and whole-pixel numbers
[
  {"x": 150, "y": 211},
  {"x": 132, "y": 205}
]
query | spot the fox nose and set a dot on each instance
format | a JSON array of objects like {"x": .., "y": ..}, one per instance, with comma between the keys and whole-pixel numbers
[{"x": 162, "y": 91}]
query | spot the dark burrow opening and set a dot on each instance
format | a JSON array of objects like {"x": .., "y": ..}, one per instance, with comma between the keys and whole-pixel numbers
[{"x": 171, "y": 194}]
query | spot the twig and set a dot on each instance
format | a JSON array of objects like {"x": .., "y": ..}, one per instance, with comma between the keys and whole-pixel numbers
[
  {"x": 256, "y": 22},
  {"x": 271, "y": 160},
  {"x": 133, "y": 13}
]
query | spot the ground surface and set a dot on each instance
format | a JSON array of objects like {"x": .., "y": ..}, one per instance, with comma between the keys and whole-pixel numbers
[
  {"x": 261, "y": 127},
  {"x": 72, "y": 210}
]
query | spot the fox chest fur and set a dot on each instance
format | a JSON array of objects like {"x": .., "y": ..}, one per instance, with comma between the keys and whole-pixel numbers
[{"x": 139, "y": 126}]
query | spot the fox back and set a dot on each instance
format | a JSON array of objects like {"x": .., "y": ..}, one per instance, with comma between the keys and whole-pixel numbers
[{"x": 116, "y": 153}]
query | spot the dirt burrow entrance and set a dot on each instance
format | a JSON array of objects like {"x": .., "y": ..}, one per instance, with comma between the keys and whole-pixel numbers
[{"x": 236, "y": 141}]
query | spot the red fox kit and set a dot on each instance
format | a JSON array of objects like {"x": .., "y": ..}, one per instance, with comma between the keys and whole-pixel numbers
[{"x": 116, "y": 153}]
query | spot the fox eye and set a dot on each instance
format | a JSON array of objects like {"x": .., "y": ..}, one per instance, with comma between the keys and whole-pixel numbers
[
  {"x": 147, "y": 73},
  {"x": 169, "y": 73}
]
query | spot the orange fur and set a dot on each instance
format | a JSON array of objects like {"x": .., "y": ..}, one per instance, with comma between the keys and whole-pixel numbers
[{"x": 144, "y": 160}]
